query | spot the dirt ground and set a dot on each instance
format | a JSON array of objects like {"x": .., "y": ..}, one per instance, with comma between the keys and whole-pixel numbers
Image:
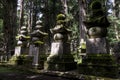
[{"x": 21, "y": 76}]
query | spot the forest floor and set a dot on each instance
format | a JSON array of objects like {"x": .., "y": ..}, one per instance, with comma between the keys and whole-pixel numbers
[
  {"x": 8, "y": 73},
  {"x": 15, "y": 73},
  {"x": 27, "y": 76}
]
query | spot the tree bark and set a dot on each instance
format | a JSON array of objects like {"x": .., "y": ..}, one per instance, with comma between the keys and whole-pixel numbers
[
  {"x": 21, "y": 13},
  {"x": 34, "y": 14},
  {"x": 47, "y": 24},
  {"x": 64, "y": 6},
  {"x": 9, "y": 24},
  {"x": 82, "y": 15}
]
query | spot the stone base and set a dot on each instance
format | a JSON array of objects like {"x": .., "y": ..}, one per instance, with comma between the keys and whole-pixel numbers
[
  {"x": 61, "y": 65},
  {"x": 102, "y": 65},
  {"x": 41, "y": 61},
  {"x": 25, "y": 61},
  {"x": 60, "y": 58},
  {"x": 65, "y": 63},
  {"x": 98, "y": 70}
]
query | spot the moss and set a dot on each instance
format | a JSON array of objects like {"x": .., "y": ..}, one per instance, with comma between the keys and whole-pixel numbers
[
  {"x": 28, "y": 37},
  {"x": 61, "y": 17},
  {"x": 38, "y": 42},
  {"x": 99, "y": 65}
]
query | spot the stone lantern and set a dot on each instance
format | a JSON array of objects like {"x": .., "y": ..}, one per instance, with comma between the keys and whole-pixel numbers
[
  {"x": 24, "y": 38},
  {"x": 21, "y": 41},
  {"x": 60, "y": 58},
  {"x": 37, "y": 37},
  {"x": 98, "y": 60},
  {"x": 97, "y": 30}
]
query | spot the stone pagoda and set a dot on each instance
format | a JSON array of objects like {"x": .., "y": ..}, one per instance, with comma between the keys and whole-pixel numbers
[
  {"x": 60, "y": 58},
  {"x": 22, "y": 40},
  {"x": 98, "y": 61},
  {"x": 97, "y": 29},
  {"x": 37, "y": 37}
]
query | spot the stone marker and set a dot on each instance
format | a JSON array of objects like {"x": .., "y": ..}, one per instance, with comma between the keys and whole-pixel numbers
[
  {"x": 60, "y": 58},
  {"x": 37, "y": 37}
]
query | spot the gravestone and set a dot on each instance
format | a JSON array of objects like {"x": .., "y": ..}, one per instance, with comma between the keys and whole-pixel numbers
[
  {"x": 21, "y": 47},
  {"x": 97, "y": 30},
  {"x": 98, "y": 61},
  {"x": 60, "y": 58},
  {"x": 37, "y": 37}
]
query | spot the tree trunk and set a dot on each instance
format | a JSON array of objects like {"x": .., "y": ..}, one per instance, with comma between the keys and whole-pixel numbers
[
  {"x": 82, "y": 15},
  {"x": 30, "y": 18},
  {"x": 64, "y": 6},
  {"x": 9, "y": 24},
  {"x": 21, "y": 13},
  {"x": 34, "y": 14},
  {"x": 47, "y": 24}
]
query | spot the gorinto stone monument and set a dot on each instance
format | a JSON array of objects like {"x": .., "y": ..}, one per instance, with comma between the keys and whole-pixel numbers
[
  {"x": 60, "y": 58},
  {"x": 97, "y": 29},
  {"x": 37, "y": 37}
]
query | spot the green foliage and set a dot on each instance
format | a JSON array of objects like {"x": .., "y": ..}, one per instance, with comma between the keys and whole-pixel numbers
[
  {"x": 5, "y": 69},
  {"x": 61, "y": 17},
  {"x": 73, "y": 9},
  {"x": 115, "y": 25}
]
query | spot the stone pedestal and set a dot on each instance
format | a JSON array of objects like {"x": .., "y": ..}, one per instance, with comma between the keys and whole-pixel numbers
[
  {"x": 36, "y": 56},
  {"x": 97, "y": 45},
  {"x": 60, "y": 58},
  {"x": 17, "y": 51},
  {"x": 103, "y": 65},
  {"x": 31, "y": 49}
]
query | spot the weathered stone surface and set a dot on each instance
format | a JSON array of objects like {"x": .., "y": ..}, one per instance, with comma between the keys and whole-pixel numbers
[
  {"x": 37, "y": 41},
  {"x": 103, "y": 65},
  {"x": 60, "y": 58},
  {"x": 17, "y": 51},
  {"x": 97, "y": 45},
  {"x": 36, "y": 56}
]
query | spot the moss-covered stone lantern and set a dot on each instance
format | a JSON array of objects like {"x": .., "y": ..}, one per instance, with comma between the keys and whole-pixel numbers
[
  {"x": 60, "y": 57},
  {"x": 22, "y": 41},
  {"x": 23, "y": 34},
  {"x": 98, "y": 61},
  {"x": 37, "y": 37},
  {"x": 97, "y": 29}
]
